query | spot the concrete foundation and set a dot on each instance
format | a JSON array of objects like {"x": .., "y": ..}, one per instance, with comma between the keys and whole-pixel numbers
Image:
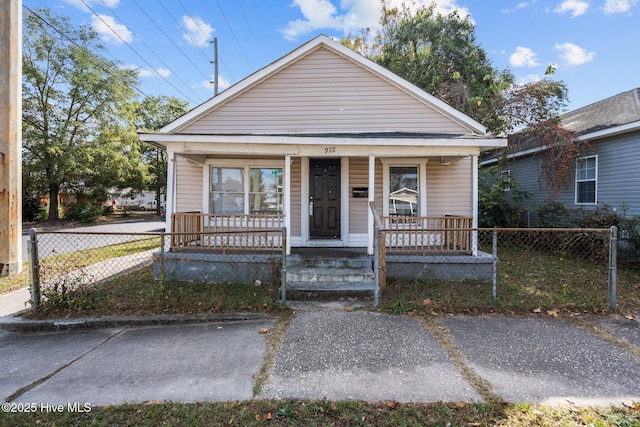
[{"x": 217, "y": 268}]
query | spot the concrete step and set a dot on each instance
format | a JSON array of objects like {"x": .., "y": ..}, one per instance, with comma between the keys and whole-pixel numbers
[
  {"x": 329, "y": 288},
  {"x": 330, "y": 275},
  {"x": 360, "y": 262}
]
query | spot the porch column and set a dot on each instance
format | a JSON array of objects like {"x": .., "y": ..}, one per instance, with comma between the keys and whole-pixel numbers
[
  {"x": 171, "y": 189},
  {"x": 474, "y": 204},
  {"x": 372, "y": 197},
  {"x": 287, "y": 199}
]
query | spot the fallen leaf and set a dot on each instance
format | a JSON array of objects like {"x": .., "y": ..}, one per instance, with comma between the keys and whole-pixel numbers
[
  {"x": 258, "y": 417},
  {"x": 426, "y": 301},
  {"x": 537, "y": 310},
  {"x": 630, "y": 317},
  {"x": 537, "y": 412},
  {"x": 263, "y": 330},
  {"x": 268, "y": 416},
  {"x": 460, "y": 404},
  {"x": 552, "y": 313}
]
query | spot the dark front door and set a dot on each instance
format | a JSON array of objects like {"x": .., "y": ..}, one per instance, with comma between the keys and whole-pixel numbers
[{"x": 324, "y": 198}]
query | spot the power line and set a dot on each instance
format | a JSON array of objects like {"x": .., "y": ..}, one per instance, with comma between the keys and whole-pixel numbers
[
  {"x": 104, "y": 67},
  {"x": 234, "y": 35},
  {"x": 207, "y": 36},
  {"x": 170, "y": 39},
  {"x": 136, "y": 52},
  {"x": 153, "y": 52}
]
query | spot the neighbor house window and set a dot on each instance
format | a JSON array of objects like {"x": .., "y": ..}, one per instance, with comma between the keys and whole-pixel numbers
[
  {"x": 586, "y": 179},
  {"x": 246, "y": 189},
  {"x": 403, "y": 190}
]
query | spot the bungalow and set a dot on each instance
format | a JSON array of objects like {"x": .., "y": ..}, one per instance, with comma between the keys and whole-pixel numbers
[{"x": 321, "y": 143}]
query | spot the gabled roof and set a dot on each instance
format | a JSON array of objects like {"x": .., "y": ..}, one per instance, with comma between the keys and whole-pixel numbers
[
  {"x": 473, "y": 127},
  {"x": 611, "y": 116},
  {"x": 617, "y": 110}
]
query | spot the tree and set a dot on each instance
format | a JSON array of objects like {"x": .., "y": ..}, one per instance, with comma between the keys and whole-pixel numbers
[
  {"x": 73, "y": 98},
  {"x": 439, "y": 54},
  {"x": 153, "y": 113}
]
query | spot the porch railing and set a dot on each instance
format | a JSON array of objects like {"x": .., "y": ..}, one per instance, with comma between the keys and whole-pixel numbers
[
  {"x": 222, "y": 231},
  {"x": 427, "y": 234}
]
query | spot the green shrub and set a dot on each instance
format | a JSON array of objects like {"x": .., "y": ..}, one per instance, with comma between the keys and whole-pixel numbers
[{"x": 85, "y": 213}]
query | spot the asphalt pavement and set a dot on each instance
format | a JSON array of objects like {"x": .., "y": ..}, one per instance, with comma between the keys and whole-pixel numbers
[{"x": 332, "y": 354}]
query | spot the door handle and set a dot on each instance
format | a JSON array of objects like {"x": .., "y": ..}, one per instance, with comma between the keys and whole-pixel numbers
[{"x": 311, "y": 208}]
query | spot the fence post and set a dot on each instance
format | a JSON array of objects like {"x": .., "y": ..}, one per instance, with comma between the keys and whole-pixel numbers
[
  {"x": 494, "y": 252},
  {"x": 613, "y": 266},
  {"x": 376, "y": 266},
  {"x": 34, "y": 269},
  {"x": 283, "y": 272}
]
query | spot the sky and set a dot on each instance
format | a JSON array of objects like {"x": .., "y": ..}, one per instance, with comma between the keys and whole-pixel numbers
[{"x": 593, "y": 44}]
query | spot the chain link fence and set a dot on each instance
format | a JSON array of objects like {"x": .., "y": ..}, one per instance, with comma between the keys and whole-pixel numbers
[
  {"x": 66, "y": 261},
  {"x": 578, "y": 264},
  {"x": 525, "y": 263}
]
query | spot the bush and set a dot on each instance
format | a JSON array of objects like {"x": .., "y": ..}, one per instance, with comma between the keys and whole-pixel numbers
[
  {"x": 84, "y": 213},
  {"x": 556, "y": 215},
  {"x": 33, "y": 209}
]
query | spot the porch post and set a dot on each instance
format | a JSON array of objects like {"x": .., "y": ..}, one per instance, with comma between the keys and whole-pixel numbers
[
  {"x": 287, "y": 200},
  {"x": 474, "y": 204},
  {"x": 372, "y": 198},
  {"x": 171, "y": 189}
]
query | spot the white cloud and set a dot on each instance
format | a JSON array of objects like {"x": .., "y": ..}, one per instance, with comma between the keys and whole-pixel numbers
[
  {"x": 523, "y": 57},
  {"x": 574, "y": 54},
  {"x": 618, "y": 6},
  {"x": 146, "y": 72},
  {"x": 576, "y": 7},
  {"x": 353, "y": 14},
  {"x": 110, "y": 31},
  {"x": 198, "y": 32},
  {"x": 222, "y": 84}
]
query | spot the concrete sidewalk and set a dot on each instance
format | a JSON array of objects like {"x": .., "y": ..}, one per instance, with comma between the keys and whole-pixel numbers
[{"x": 325, "y": 354}]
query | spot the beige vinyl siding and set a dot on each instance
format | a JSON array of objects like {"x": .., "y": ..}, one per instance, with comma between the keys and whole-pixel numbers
[
  {"x": 378, "y": 199},
  {"x": 449, "y": 187},
  {"x": 358, "y": 207},
  {"x": 324, "y": 92},
  {"x": 296, "y": 185},
  {"x": 189, "y": 191}
]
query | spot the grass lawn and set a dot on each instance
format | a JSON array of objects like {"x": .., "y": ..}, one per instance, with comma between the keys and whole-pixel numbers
[
  {"x": 528, "y": 284},
  {"x": 330, "y": 413}
]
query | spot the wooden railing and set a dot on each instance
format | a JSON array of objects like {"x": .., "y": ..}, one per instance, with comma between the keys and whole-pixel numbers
[
  {"x": 224, "y": 232},
  {"x": 427, "y": 234}
]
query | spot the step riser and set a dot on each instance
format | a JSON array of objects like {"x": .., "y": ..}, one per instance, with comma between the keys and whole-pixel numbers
[
  {"x": 324, "y": 277},
  {"x": 330, "y": 263},
  {"x": 333, "y": 278}
]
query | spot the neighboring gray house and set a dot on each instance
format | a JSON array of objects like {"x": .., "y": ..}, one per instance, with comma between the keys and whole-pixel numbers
[{"x": 609, "y": 175}]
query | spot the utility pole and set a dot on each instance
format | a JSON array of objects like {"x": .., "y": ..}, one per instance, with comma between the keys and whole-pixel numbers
[
  {"x": 215, "y": 66},
  {"x": 10, "y": 137}
]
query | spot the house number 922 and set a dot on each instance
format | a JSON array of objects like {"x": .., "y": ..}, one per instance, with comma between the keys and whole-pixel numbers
[{"x": 329, "y": 150}]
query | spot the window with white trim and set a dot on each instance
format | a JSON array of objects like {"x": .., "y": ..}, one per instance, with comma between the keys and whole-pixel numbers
[
  {"x": 245, "y": 189},
  {"x": 404, "y": 197},
  {"x": 586, "y": 179}
]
